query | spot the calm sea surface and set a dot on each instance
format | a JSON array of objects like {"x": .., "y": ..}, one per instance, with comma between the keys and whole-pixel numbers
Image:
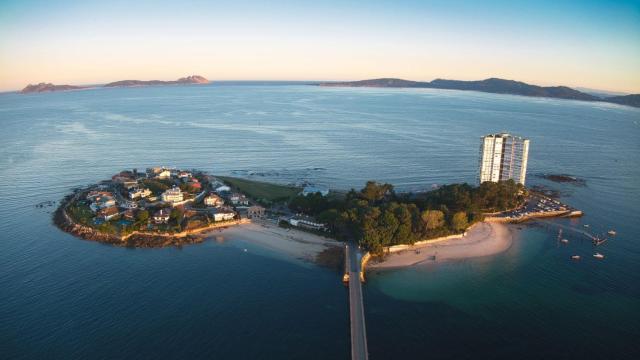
[{"x": 61, "y": 297}]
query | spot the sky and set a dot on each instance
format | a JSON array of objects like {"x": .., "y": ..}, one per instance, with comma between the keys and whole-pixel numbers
[{"x": 586, "y": 43}]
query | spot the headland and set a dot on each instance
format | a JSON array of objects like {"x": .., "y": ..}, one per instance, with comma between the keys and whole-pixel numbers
[{"x": 162, "y": 207}]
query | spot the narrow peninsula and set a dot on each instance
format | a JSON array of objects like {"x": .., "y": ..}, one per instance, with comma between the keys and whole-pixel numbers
[{"x": 162, "y": 207}]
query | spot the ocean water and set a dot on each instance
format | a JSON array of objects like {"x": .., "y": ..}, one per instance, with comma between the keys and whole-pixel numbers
[{"x": 61, "y": 297}]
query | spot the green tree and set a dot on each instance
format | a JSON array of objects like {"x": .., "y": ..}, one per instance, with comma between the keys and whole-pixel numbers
[
  {"x": 374, "y": 191},
  {"x": 142, "y": 216},
  {"x": 433, "y": 219},
  {"x": 459, "y": 221},
  {"x": 176, "y": 215}
]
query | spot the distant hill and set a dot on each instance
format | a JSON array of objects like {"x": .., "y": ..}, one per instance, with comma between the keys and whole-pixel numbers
[
  {"x": 630, "y": 100},
  {"x": 194, "y": 79},
  {"x": 48, "y": 87},
  {"x": 492, "y": 85}
]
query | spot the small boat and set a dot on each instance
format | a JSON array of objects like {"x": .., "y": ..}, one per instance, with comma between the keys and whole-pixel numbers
[
  {"x": 586, "y": 225},
  {"x": 564, "y": 241},
  {"x": 598, "y": 256},
  {"x": 245, "y": 250},
  {"x": 598, "y": 241},
  {"x": 611, "y": 232},
  {"x": 575, "y": 257}
]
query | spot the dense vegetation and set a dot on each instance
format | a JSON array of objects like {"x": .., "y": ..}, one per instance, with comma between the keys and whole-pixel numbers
[{"x": 376, "y": 216}]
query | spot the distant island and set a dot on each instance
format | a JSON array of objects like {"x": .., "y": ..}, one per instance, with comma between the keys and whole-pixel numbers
[
  {"x": 194, "y": 79},
  {"x": 48, "y": 87},
  {"x": 492, "y": 85}
]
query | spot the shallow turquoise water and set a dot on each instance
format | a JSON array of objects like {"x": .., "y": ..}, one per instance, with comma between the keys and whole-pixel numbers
[{"x": 61, "y": 297}]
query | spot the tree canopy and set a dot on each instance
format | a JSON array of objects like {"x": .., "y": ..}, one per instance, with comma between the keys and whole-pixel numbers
[{"x": 376, "y": 216}]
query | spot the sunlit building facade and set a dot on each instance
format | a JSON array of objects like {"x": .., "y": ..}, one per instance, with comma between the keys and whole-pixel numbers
[{"x": 502, "y": 157}]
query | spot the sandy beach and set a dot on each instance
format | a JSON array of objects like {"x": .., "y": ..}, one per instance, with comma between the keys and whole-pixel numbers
[
  {"x": 295, "y": 243},
  {"x": 482, "y": 239}
]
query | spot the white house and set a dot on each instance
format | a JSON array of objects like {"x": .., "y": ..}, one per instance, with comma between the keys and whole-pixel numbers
[
  {"x": 306, "y": 222},
  {"x": 308, "y": 190},
  {"x": 223, "y": 215},
  {"x": 223, "y": 188},
  {"x": 108, "y": 213},
  {"x": 129, "y": 204},
  {"x": 164, "y": 174},
  {"x": 102, "y": 202},
  {"x": 213, "y": 200},
  {"x": 172, "y": 195},
  {"x": 139, "y": 193},
  {"x": 238, "y": 199}
]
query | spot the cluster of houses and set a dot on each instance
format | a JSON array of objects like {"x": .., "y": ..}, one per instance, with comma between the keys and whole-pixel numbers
[
  {"x": 127, "y": 194},
  {"x": 221, "y": 198}
]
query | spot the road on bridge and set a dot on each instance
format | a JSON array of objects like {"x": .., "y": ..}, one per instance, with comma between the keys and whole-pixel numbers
[{"x": 356, "y": 307}]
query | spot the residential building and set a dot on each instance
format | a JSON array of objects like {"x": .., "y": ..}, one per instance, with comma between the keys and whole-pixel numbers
[
  {"x": 184, "y": 176},
  {"x": 255, "y": 212},
  {"x": 306, "y": 222},
  {"x": 222, "y": 189},
  {"x": 108, "y": 213},
  {"x": 102, "y": 202},
  {"x": 129, "y": 204},
  {"x": 139, "y": 193},
  {"x": 223, "y": 215},
  {"x": 164, "y": 174},
  {"x": 195, "y": 184},
  {"x": 161, "y": 216},
  {"x": 213, "y": 200},
  {"x": 502, "y": 157},
  {"x": 173, "y": 195},
  {"x": 238, "y": 199},
  {"x": 129, "y": 215},
  {"x": 308, "y": 190}
]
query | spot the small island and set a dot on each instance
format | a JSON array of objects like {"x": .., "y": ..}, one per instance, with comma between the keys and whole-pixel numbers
[
  {"x": 564, "y": 178},
  {"x": 193, "y": 79},
  {"x": 162, "y": 207},
  {"x": 48, "y": 87}
]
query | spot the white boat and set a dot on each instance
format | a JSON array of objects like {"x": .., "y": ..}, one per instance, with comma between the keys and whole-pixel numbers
[
  {"x": 586, "y": 225},
  {"x": 598, "y": 256},
  {"x": 575, "y": 257},
  {"x": 611, "y": 232},
  {"x": 564, "y": 241}
]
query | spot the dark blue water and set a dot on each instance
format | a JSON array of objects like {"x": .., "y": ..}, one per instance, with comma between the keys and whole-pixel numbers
[{"x": 61, "y": 297}]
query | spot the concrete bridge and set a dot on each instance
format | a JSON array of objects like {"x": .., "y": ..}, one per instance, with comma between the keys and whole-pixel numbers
[{"x": 352, "y": 278}]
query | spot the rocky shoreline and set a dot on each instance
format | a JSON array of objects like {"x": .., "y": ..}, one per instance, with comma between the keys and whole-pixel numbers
[{"x": 64, "y": 222}]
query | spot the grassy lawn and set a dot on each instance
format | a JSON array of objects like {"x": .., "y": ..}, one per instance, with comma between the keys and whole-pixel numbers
[{"x": 260, "y": 191}]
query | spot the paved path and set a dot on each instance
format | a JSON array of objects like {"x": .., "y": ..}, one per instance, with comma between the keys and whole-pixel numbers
[{"x": 356, "y": 307}]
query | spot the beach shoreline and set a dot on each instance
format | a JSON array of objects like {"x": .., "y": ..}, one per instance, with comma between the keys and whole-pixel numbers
[
  {"x": 482, "y": 239},
  {"x": 295, "y": 243}
]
